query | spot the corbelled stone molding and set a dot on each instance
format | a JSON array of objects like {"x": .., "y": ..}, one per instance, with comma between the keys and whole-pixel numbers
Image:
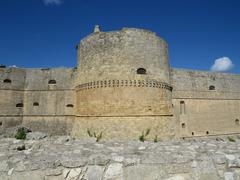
[{"x": 124, "y": 83}]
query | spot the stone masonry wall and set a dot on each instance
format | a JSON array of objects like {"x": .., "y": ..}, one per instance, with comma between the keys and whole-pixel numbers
[
  {"x": 112, "y": 96},
  {"x": 105, "y": 92},
  {"x": 44, "y": 105},
  {"x": 107, "y": 68},
  {"x": 206, "y": 103},
  {"x": 12, "y": 81}
]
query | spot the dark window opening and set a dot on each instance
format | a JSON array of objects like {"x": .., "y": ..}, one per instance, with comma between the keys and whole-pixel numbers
[
  {"x": 45, "y": 69},
  {"x": 141, "y": 71},
  {"x": 182, "y": 107},
  {"x": 237, "y": 121},
  {"x": 19, "y": 105},
  {"x": 1, "y": 123},
  {"x": 192, "y": 133},
  {"x": 35, "y": 104},
  {"x": 7, "y": 81},
  {"x": 211, "y": 87},
  {"x": 149, "y": 108},
  {"x": 52, "y": 81},
  {"x": 183, "y": 125},
  {"x": 70, "y": 105},
  {"x": 207, "y": 132}
]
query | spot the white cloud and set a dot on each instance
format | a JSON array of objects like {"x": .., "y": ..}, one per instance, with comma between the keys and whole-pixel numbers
[
  {"x": 222, "y": 64},
  {"x": 52, "y": 2},
  {"x": 14, "y": 66}
]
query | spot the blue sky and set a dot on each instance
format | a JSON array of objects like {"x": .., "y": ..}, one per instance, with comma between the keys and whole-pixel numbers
[{"x": 43, "y": 33}]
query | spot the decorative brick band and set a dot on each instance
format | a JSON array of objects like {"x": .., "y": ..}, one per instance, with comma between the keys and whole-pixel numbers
[{"x": 123, "y": 83}]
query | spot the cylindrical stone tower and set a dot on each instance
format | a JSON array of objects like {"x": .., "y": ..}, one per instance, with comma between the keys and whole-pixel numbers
[{"x": 123, "y": 74}]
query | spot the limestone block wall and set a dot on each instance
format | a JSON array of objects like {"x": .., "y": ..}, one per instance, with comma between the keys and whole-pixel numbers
[
  {"x": 124, "y": 99},
  {"x": 128, "y": 127},
  {"x": 121, "y": 53},
  {"x": 206, "y": 103},
  {"x": 49, "y": 100},
  {"x": 122, "y": 86},
  {"x": 11, "y": 96},
  {"x": 123, "y": 73},
  {"x": 42, "y": 99}
]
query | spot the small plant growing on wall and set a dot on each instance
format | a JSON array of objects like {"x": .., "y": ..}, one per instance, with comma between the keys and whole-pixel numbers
[
  {"x": 144, "y": 134},
  {"x": 92, "y": 133},
  {"x": 231, "y": 139},
  {"x": 155, "y": 139},
  {"x": 89, "y": 133},
  {"x": 21, "y": 133}
]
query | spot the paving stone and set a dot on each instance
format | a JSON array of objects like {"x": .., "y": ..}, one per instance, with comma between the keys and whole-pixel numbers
[
  {"x": 57, "y": 157},
  {"x": 114, "y": 170}
]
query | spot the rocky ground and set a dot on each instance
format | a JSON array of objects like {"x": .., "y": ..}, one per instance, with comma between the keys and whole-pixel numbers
[{"x": 62, "y": 157}]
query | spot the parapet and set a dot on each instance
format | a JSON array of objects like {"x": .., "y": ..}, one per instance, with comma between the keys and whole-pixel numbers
[{"x": 204, "y": 84}]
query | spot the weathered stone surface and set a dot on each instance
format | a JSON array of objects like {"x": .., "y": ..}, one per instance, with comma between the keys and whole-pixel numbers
[
  {"x": 233, "y": 160},
  {"x": 54, "y": 172},
  {"x": 19, "y": 146},
  {"x": 58, "y": 158},
  {"x": 20, "y": 167},
  {"x": 71, "y": 162},
  {"x": 4, "y": 165},
  {"x": 229, "y": 176},
  {"x": 65, "y": 173},
  {"x": 176, "y": 178},
  {"x": 74, "y": 174},
  {"x": 94, "y": 173},
  {"x": 36, "y": 135},
  {"x": 114, "y": 171},
  {"x": 145, "y": 172},
  {"x": 10, "y": 172}
]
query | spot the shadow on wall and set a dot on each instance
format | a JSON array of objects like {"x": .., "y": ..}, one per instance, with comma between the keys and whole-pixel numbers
[{"x": 52, "y": 126}]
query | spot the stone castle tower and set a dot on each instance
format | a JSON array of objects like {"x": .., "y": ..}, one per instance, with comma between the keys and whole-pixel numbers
[
  {"x": 123, "y": 85},
  {"x": 123, "y": 74}
]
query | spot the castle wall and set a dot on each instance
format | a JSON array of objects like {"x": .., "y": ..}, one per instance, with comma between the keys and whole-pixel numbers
[
  {"x": 11, "y": 93},
  {"x": 122, "y": 86},
  {"x": 125, "y": 127},
  {"x": 202, "y": 111},
  {"x": 118, "y": 54},
  {"x": 55, "y": 100},
  {"x": 112, "y": 95},
  {"x": 108, "y": 83},
  {"x": 123, "y": 100},
  {"x": 46, "y": 106},
  {"x": 52, "y": 98}
]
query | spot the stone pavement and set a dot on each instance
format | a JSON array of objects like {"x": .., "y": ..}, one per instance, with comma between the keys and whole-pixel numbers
[{"x": 62, "y": 157}]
